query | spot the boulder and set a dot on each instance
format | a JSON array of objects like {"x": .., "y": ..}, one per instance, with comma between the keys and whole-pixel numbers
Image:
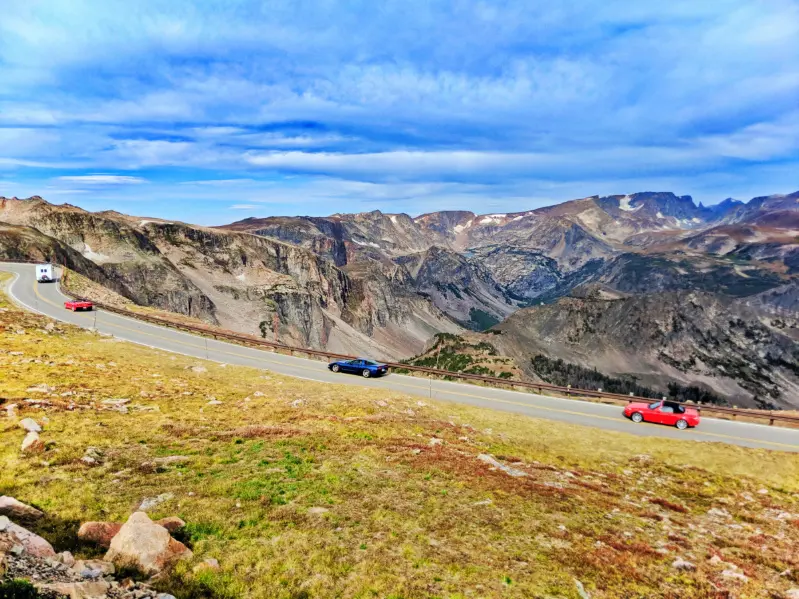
[
  {"x": 30, "y": 425},
  {"x": 31, "y": 543},
  {"x": 143, "y": 545},
  {"x": 31, "y": 443},
  {"x": 100, "y": 533},
  {"x": 16, "y": 509},
  {"x": 172, "y": 523},
  {"x": 77, "y": 590},
  {"x": 66, "y": 558}
]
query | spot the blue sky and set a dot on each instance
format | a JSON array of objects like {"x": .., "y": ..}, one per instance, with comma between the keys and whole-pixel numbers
[{"x": 215, "y": 111}]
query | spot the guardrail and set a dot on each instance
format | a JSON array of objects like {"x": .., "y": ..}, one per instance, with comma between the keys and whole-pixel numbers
[{"x": 222, "y": 334}]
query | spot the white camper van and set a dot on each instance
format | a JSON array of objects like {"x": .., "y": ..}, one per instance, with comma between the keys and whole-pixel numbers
[{"x": 44, "y": 273}]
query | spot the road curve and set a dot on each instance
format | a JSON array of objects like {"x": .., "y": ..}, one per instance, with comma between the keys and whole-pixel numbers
[{"x": 47, "y": 299}]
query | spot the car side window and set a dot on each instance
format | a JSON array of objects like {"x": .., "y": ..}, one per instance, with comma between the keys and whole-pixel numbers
[
  {"x": 654, "y": 406},
  {"x": 667, "y": 410}
]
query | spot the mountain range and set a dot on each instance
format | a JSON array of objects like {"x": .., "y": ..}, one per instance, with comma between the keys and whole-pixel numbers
[{"x": 384, "y": 284}]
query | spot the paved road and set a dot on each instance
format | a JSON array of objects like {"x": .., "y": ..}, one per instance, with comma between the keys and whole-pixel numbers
[{"x": 47, "y": 299}]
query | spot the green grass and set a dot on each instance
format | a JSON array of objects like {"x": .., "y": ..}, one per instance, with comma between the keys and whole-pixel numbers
[{"x": 404, "y": 518}]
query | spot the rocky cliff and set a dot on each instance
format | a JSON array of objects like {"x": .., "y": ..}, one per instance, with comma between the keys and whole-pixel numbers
[
  {"x": 688, "y": 337},
  {"x": 238, "y": 280}
]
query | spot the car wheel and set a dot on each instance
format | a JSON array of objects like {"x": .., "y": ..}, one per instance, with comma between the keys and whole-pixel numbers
[
  {"x": 334, "y": 368},
  {"x": 637, "y": 417},
  {"x": 682, "y": 424},
  {"x": 366, "y": 374}
]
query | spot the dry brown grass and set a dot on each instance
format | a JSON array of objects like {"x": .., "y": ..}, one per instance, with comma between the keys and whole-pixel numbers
[{"x": 406, "y": 517}]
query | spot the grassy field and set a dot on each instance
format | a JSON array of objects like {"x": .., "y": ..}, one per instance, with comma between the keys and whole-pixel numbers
[{"x": 308, "y": 490}]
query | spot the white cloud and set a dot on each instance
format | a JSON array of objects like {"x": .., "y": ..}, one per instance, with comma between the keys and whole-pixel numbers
[
  {"x": 397, "y": 94},
  {"x": 103, "y": 179},
  {"x": 245, "y": 206}
]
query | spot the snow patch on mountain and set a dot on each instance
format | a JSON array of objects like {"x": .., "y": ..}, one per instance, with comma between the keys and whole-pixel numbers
[
  {"x": 624, "y": 204},
  {"x": 366, "y": 243},
  {"x": 461, "y": 228}
]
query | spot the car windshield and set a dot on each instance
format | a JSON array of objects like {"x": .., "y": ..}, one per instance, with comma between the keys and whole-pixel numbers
[{"x": 654, "y": 406}]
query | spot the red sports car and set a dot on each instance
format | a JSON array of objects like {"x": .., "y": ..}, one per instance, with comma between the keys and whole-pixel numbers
[
  {"x": 76, "y": 305},
  {"x": 663, "y": 412}
]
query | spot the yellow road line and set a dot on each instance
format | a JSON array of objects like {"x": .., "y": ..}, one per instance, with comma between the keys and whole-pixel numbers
[{"x": 459, "y": 393}]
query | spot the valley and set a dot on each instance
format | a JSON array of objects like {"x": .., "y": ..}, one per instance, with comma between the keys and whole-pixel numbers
[{"x": 384, "y": 285}]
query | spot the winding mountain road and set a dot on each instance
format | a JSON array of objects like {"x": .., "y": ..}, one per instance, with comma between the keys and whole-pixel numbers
[{"x": 48, "y": 300}]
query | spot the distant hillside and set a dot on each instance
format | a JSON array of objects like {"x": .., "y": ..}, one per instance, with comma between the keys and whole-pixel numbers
[
  {"x": 383, "y": 284},
  {"x": 233, "y": 279},
  {"x": 689, "y": 338}
]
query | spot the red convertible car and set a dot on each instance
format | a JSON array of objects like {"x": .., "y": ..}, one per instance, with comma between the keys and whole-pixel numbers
[
  {"x": 76, "y": 305},
  {"x": 663, "y": 412}
]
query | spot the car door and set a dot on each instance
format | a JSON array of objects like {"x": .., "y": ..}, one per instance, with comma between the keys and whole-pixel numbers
[
  {"x": 667, "y": 415},
  {"x": 652, "y": 413},
  {"x": 354, "y": 366}
]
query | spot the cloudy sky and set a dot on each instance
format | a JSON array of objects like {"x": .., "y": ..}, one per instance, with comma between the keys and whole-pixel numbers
[{"x": 217, "y": 112}]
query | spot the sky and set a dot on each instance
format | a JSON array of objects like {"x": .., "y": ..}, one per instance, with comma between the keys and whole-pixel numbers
[{"x": 216, "y": 111}]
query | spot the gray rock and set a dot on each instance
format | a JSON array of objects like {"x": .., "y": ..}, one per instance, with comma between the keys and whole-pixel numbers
[
  {"x": 93, "y": 569},
  {"x": 30, "y": 425},
  {"x": 66, "y": 558},
  {"x": 492, "y": 461},
  {"x": 735, "y": 575},
  {"x": 31, "y": 443},
  {"x": 16, "y": 509},
  {"x": 150, "y": 502},
  {"x": 681, "y": 564}
]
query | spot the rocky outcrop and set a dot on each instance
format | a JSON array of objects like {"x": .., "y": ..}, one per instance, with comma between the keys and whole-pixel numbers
[
  {"x": 463, "y": 289},
  {"x": 145, "y": 546},
  {"x": 141, "y": 544},
  {"x": 686, "y": 337},
  {"x": 238, "y": 280},
  {"x": 105, "y": 248}
]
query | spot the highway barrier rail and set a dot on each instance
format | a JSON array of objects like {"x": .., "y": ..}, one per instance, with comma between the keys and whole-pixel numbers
[{"x": 542, "y": 388}]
